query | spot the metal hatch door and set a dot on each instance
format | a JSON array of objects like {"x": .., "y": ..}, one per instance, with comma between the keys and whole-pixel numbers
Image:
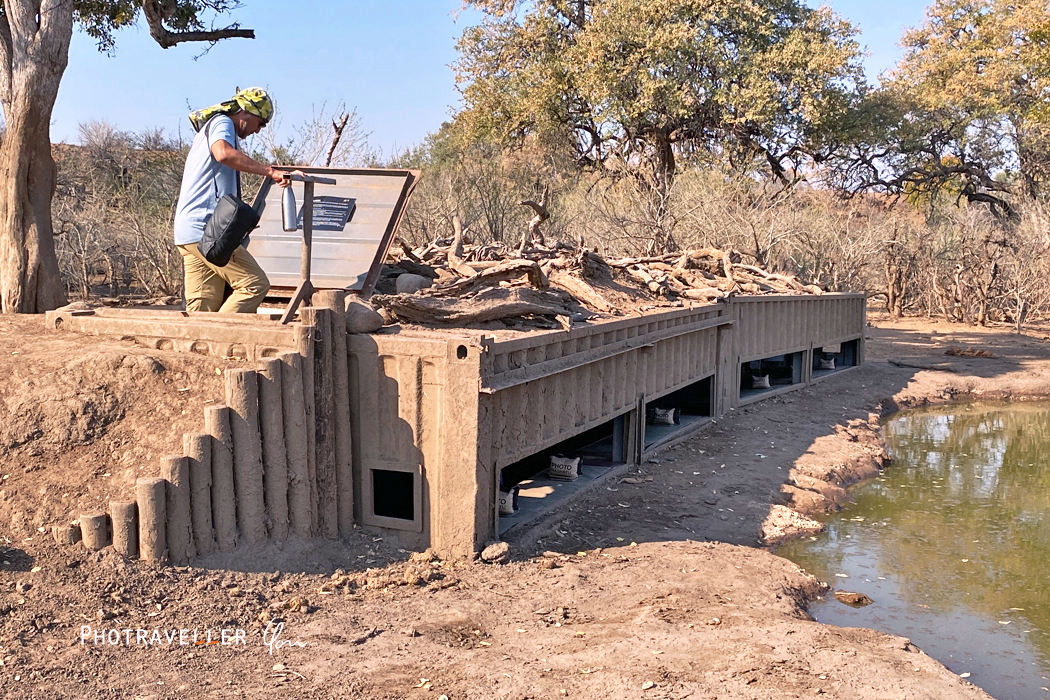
[{"x": 355, "y": 221}]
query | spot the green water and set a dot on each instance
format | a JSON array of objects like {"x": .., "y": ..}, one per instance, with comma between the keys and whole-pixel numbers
[{"x": 952, "y": 543}]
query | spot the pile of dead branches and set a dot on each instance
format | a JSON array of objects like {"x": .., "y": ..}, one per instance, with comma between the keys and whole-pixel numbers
[{"x": 447, "y": 283}]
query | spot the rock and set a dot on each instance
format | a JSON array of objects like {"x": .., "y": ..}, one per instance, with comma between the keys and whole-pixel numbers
[
  {"x": 76, "y": 306},
  {"x": 427, "y": 556},
  {"x": 782, "y": 523},
  {"x": 361, "y": 318},
  {"x": 857, "y": 600},
  {"x": 409, "y": 283},
  {"x": 496, "y": 553},
  {"x": 297, "y": 603}
]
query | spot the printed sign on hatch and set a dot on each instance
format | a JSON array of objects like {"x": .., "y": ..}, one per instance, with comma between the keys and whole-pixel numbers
[{"x": 331, "y": 213}]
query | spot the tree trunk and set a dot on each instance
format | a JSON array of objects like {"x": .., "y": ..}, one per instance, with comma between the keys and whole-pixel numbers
[
  {"x": 1032, "y": 151},
  {"x": 34, "y": 50}
]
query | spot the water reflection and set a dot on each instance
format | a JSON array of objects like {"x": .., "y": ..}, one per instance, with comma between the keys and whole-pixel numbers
[{"x": 953, "y": 543}]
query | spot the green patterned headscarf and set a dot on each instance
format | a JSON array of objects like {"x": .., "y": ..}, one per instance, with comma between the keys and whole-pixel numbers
[{"x": 252, "y": 100}]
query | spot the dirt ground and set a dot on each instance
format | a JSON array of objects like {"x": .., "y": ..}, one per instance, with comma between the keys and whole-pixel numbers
[{"x": 657, "y": 585}]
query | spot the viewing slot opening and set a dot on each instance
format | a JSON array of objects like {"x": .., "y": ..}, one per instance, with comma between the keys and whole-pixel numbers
[
  {"x": 829, "y": 359},
  {"x": 767, "y": 375},
  {"x": 673, "y": 415},
  {"x": 537, "y": 483}
]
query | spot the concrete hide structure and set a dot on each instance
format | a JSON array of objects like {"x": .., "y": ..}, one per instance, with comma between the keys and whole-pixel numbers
[
  {"x": 450, "y": 409},
  {"x": 437, "y": 415}
]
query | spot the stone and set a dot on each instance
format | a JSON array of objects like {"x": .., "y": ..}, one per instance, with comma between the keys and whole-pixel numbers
[
  {"x": 857, "y": 600},
  {"x": 496, "y": 553},
  {"x": 409, "y": 283},
  {"x": 427, "y": 556},
  {"x": 361, "y": 317},
  {"x": 76, "y": 306}
]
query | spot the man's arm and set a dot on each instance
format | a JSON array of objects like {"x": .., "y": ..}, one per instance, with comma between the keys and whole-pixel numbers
[{"x": 232, "y": 158}]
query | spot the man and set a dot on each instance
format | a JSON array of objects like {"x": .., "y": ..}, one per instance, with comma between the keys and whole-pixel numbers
[{"x": 213, "y": 169}]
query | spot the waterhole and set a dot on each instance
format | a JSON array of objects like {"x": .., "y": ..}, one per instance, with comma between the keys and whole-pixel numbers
[{"x": 952, "y": 543}]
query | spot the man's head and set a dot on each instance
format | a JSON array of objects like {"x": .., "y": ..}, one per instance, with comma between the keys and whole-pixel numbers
[
  {"x": 256, "y": 109},
  {"x": 250, "y": 110}
]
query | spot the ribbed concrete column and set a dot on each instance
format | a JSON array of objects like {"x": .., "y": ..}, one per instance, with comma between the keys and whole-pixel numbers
[
  {"x": 275, "y": 458},
  {"x": 296, "y": 443},
  {"x": 223, "y": 498},
  {"x": 67, "y": 534},
  {"x": 304, "y": 344},
  {"x": 94, "y": 528},
  {"x": 344, "y": 473},
  {"x": 198, "y": 451},
  {"x": 340, "y": 376},
  {"x": 176, "y": 470},
  {"x": 152, "y": 497},
  {"x": 242, "y": 396},
  {"x": 324, "y": 425},
  {"x": 125, "y": 517}
]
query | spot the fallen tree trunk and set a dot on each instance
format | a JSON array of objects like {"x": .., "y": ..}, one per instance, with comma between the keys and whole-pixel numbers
[
  {"x": 581, "y": 290},
  {"x": 490, "y": 304},
  {"x": 504, "y": 272}
]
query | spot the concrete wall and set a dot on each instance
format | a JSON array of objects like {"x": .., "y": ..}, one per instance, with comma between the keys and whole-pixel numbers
[
  {"x": 456, "y": 409},
  {"x": 540, "y": 390},
  {"x": 766, "y": 326}
]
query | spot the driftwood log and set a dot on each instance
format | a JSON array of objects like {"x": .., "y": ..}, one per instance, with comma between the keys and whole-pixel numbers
[
  {"x": 489, "y": 304},
  {"x": 503, "y": 272},
  {"x": 534, "y": 235}
]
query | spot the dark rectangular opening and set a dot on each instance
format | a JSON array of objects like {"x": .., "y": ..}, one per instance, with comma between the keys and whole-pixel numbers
[
  {"x": 392, "y": 494},
  {"x": 599, "y": 449},
  {"x": 686, "y": 406},
  {"x": 777, "y": 370},
  {"x": 832, "y": 358}
]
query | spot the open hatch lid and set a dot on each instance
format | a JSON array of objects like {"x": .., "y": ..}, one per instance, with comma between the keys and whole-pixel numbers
[{"x": 355, "y": 221}]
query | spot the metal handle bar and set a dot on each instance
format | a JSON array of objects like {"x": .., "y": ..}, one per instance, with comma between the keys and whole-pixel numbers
[{"x": 315, "y": 179}]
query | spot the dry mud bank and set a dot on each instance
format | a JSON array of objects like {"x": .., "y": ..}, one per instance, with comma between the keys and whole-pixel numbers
[{"x": 653, "y": 586}]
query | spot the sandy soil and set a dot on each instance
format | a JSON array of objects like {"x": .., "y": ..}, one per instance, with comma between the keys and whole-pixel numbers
[{"x": 658, "y": 585}]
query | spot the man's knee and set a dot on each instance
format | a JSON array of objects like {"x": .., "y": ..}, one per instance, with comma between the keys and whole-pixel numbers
[{"x": 257, "y": 286}]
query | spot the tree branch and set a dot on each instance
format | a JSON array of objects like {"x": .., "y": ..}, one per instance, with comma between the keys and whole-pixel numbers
[
  {"x": 166, "y": 38},
  {"x": 337, "y": 128}
]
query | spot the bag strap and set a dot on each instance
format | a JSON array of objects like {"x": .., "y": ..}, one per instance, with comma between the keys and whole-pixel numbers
[{"x": 236, "y": 173}]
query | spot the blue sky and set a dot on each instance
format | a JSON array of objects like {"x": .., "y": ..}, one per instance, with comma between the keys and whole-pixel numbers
[{"x": 388, "y": 58}]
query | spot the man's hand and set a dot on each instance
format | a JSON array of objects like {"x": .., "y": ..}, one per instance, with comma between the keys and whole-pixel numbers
[
  {"x": 278, "y": 176},
  {"x": 281, "y": 176}
]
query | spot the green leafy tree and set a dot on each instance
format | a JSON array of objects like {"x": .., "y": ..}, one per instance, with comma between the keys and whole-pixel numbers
[
  {"x": 34, "y": 51},
  {"x": 967, "y": 110},
  {"x": 638, "y": 85}
]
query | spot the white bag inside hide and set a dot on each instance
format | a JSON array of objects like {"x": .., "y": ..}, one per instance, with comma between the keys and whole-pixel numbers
[
  {"x": 663, "y": 416},
  {"x": 564, "y": 468}
]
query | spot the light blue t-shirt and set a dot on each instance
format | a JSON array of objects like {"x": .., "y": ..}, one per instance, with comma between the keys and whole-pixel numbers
[{"x": 204, "y": 181}]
